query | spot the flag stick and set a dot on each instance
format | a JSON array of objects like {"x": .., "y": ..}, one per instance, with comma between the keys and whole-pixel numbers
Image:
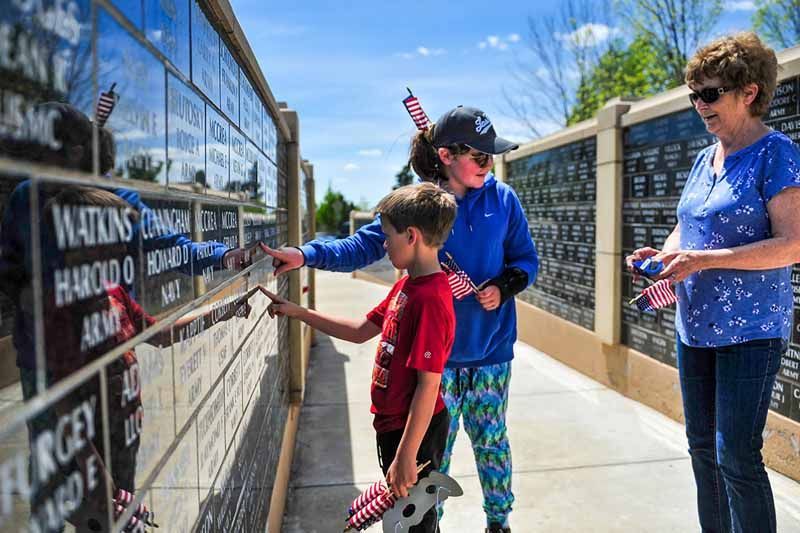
[{"x": 635, "y": 298}]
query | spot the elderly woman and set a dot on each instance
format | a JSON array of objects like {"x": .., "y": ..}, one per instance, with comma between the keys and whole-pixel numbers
[{"x": 730, "y": 257}]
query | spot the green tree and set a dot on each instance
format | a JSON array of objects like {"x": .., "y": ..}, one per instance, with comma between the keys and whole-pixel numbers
[
  {"x": 632, "y": 70},
  {"x": 778, "y": 22},
  {"x": 560, "y": 50},
  {"x": 333, "y": 211},
  {"x": 675, "y": 29},
  {"x": 404, "y": 177}
]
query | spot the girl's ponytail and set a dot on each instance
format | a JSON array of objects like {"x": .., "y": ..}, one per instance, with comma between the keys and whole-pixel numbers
[{"x": 424, "y": 158}]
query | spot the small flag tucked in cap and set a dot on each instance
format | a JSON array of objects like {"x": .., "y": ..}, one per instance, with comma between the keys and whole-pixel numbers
[
  {"x": 656, "y": 296},
  {"x": 459, "y": 281},
  {"x": 415, "y": 110},
  {"x": 105, "y": 105}
]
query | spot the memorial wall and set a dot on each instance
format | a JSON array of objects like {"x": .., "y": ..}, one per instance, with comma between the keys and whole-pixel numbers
[
  {"x": 557, "y": 189},
  {"x": 140, "y": 166},
  {"x": 658, "y": 155}
]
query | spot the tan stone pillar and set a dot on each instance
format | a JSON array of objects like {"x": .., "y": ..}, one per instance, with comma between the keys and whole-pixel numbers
[
  {"x": 500, "y": 167},
  {"x": 312, "y": 212},
  {"x": 296, "y": 360},
  {"x": 608, "y": 225}
]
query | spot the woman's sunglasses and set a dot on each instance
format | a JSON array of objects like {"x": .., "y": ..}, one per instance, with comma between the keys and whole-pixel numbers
[{"x": 709, "y": 95}]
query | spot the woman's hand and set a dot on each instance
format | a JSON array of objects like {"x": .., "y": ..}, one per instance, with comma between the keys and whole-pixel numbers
[
  {"x": 489, "y": 297},
  {"x": 679, "y": 265},
  {"x": 640, "y": 255}
]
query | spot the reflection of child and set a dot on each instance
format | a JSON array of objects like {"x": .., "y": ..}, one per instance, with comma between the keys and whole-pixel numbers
[
  {"x": 417, "y": 326},
  {"x": 88, "y": 329}
]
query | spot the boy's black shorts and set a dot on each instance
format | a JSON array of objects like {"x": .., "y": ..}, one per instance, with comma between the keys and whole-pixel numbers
[{"x": 430, "y": 449}]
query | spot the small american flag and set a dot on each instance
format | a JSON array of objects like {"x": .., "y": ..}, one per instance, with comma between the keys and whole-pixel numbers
[
  {"x": 415, "y": 110},
  {"x": 460, "y": 283},
  {"x": 656, "y": 296},
  {"x": 105, "y": 105}
]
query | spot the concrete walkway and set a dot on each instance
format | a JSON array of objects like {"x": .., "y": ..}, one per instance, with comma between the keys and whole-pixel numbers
[{"x": 586, "y": 459}]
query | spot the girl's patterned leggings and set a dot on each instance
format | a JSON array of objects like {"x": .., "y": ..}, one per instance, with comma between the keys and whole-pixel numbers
[{"x": 480, "y": 395}]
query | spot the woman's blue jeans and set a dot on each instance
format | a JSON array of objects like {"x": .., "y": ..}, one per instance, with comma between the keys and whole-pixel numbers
[{"x": 726, "y": 394}]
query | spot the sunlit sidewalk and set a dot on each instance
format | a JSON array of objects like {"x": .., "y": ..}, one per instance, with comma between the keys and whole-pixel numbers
[{"x": 586, "y": 459}]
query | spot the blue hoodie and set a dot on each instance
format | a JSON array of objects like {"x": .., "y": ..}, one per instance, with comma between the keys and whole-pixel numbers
[{"x": 490, "y": 234}]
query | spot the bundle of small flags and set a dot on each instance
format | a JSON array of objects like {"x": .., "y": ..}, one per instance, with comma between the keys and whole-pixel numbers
[
  {"x": 142, "y": 516},
  {"x": 370, "y": 505},
  {"x": 415, "y": 110},
  {"x": 659, "y": 294},
  {"x": 105, "y": 105},
  {"x": 459, "y": 281}
]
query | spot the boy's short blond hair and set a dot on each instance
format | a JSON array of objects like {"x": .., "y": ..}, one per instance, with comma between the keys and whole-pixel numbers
[{"x": 425, "y": 206}]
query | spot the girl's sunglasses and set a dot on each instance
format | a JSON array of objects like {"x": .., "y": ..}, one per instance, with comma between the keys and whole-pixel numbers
[
  {"x": 480, "y": 158},
  {"x": 709, "y": 95}
]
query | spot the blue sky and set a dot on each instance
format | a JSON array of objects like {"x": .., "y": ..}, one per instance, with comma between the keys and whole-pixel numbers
[{"x": 344, "y": 67}]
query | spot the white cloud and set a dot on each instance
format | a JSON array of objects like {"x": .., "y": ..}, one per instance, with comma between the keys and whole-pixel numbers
[
  {"x": 350, "y": 167},
  {"x": 498, "y": 43},
  {"x": 740, "y": 6},
  {"x": 589, "y": 34},
  {"x": 422, "y": 51},
  {"x": 371, "y": 152}
]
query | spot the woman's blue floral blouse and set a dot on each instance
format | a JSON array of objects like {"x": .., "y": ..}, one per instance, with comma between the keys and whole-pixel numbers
[{"x": 724, "y": 307}]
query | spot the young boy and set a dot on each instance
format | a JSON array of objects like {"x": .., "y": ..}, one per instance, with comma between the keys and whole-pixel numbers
[{"x": 417, "y": 326}]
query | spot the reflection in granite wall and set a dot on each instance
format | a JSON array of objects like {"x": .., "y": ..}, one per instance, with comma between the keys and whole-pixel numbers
[
  {"x": 166, "y": 25},
  {"x": 658, "y": 156},
  {"x": 137, "y": 123},
  {"x": 178, "y": 397},
  {"x": 557, "y": 191}
]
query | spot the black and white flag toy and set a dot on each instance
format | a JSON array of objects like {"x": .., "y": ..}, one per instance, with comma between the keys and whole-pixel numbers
[
  {"x": 415, "y": 110},
  {"x": 105, "y": 105}
]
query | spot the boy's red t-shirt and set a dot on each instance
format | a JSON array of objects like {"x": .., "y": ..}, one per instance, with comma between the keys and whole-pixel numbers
[{"x": 417, "y": 324}]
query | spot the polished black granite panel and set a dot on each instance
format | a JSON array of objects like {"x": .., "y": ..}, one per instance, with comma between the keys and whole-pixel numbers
[
  {"x": 229, "y": 83},
  {"x": 186, "y": 125},
  {"x": 218, "y": 160},
  {"x": 133, "y": 10},
  {"x": 205, "y": 54},
  {"x": 246, "y": 105},
  {"x": 46, "y": 94},
  {"x": 239, "y": 170},
  {"x": 166, "y": 25},
  {"x": 137, "y": 124}
]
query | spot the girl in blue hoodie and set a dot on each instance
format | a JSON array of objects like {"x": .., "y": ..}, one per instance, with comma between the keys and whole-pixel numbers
[{"x": 490, "y": 241}]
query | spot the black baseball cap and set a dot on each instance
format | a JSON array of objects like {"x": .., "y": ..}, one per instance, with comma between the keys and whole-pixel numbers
[{"x": 470, "y": 126}]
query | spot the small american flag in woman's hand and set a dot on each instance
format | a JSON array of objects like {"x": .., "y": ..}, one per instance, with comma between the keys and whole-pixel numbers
[{"x": 659, "y": 294}]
